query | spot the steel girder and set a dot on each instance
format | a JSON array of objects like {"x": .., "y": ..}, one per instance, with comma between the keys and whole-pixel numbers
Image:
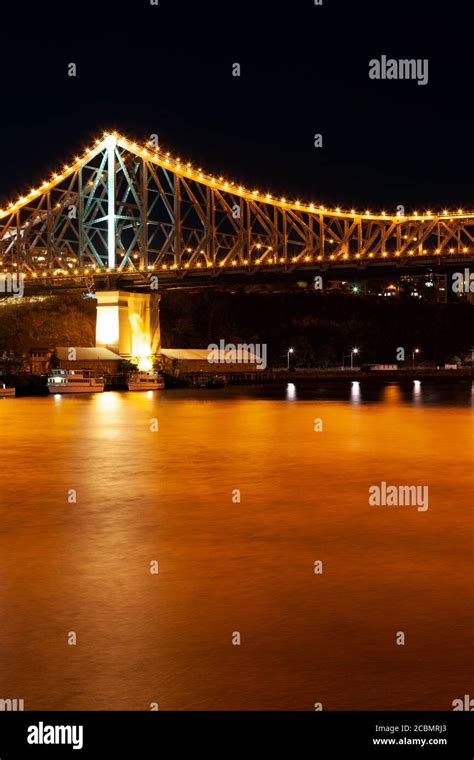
[{"x": 126, "y": 208}]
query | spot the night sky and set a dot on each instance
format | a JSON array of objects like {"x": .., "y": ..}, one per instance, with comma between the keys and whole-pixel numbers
[{"x": 168, "y": 70}]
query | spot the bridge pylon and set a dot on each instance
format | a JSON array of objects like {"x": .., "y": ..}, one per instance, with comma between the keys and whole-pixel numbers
[{"x": 129, "y": 324}]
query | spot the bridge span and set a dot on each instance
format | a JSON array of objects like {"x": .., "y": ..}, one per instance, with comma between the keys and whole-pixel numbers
[{"x": 121, "y": 213}]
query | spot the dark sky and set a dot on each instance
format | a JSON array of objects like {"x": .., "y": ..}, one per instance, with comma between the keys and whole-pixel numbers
[{"x": 168, "y": 69}]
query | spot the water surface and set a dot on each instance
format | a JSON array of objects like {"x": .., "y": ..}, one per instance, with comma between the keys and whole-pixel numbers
[{"x": 227, "y": 566}]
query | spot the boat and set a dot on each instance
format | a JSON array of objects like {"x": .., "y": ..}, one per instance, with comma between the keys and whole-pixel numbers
[
  {"x": 145, "y": 381},
  {"x": 6, "y": 392},
  {"x": 75, "y": 381}
]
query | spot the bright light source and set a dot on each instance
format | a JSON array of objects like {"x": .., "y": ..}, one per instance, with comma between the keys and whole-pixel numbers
[{"x": 107, "y": 329}]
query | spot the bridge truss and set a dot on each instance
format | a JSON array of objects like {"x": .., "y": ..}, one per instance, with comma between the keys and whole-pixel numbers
[{"x": 130, "y": 209}]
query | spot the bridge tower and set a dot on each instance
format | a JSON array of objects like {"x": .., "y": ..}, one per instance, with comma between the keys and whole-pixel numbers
[{"x": 128, "y": 323}]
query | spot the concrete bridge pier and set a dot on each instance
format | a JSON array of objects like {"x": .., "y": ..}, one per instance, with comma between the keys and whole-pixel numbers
[{"x": 129, "y": 324}]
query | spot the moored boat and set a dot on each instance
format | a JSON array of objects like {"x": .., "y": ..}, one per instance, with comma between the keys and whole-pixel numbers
[
  {"x": 145, "y": 381},
  {"x": 6, "y": 392},
  {"x": 75, "y": 381}
]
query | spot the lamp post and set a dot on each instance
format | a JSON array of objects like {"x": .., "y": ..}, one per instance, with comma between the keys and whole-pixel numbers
[
  {"x": 354, "y": 351},
  {"x": 290, "y": 351},
  {"x": 415, "y": 351}
]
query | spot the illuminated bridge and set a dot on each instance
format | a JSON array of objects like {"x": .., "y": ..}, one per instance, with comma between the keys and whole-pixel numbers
[{"x": 120, "y": 213}]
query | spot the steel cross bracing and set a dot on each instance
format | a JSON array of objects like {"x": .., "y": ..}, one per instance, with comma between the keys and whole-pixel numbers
[{"x": 125, "y": 208}]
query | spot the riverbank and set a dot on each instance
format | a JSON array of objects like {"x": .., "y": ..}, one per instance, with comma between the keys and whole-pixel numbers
[
  {"x": 36, "y": 385},
  {"x": 320, "y": 327},
  {"x": 326, "y": 375}
]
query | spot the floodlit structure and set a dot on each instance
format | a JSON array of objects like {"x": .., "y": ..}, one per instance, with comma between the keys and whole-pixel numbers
[
  {"x": 128, "y": 212},
  {"x": 122, "y": 217}
]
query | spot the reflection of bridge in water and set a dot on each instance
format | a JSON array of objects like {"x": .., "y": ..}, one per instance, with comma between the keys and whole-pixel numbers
[{"x": 121, "y": 213}]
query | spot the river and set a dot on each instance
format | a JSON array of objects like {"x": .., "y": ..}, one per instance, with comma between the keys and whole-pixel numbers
[{"x": 158, "y": 528}]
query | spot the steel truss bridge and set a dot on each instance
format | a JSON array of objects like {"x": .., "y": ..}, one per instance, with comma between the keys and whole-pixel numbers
[{"x": 122, "y": 213}]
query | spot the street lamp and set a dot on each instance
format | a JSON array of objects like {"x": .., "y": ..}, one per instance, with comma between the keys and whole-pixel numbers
[
  {"x": 354, "y": 351},
  {"x": 415, "y": 351},
  {"x": 290, "y": 351}
]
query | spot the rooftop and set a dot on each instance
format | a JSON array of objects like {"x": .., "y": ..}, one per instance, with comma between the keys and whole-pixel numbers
[
  {"x": 203, "y": 354},
  {"x": 86, "y": 354}
]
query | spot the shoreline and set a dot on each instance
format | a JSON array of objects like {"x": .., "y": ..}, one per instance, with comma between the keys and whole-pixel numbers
[{"x": 35, "y": 385}]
